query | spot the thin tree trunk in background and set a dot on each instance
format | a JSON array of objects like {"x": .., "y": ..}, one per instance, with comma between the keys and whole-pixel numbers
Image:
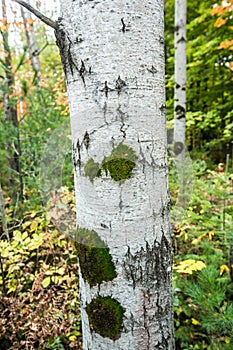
[
  {"x": 3, "y": 216},
  {"x": 31, "y": 41},
  {"x": 113, "y": 57},
  {"x": 10, "y": 113},
  {"x": 180, "y": 79}
]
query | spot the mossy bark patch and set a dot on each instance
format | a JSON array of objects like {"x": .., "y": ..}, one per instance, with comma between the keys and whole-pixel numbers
[
  {"x": 106, "y": 316},
  {"x": 94, "y": 258},
  {"x": 92, "y": 169},
  {"x": 119, "y": 168},
  {"x": 120, "y": 163}
]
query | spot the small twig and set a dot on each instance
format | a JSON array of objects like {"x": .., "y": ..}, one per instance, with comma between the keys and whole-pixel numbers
[{"x": 37, "y": 13}]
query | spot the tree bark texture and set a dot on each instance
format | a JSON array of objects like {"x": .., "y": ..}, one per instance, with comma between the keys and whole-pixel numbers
[
  {"x": 180, "y": 78},
  {"x": 113, "y": 57}
]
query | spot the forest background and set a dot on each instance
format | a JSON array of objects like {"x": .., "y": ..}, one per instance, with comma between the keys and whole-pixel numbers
[{"x": 38, "y": 259}]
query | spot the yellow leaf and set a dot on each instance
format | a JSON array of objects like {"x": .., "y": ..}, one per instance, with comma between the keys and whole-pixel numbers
[
  {"x": 227, "y": 340},
  {"x": 223, "y": 268},
  {"x": 195, "y": 241},
  {"x": 195, "y": 322},
  {"x": 26, "y": 224},
  {"x": 46, "y": 282},
  {"x": 72, "y": 338},
  {"x": 211, "y": 235},
  {"x": 190, "y": 265}
]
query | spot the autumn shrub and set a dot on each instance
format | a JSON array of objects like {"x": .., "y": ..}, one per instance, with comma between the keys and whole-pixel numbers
[{"x": 39, "y": 286}]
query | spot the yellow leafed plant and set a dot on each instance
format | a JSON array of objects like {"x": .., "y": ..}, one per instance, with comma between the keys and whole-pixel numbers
[{"x": 190, "y": 265}]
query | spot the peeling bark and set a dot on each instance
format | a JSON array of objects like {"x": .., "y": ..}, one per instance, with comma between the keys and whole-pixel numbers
[{"x": 113, "y": 57}]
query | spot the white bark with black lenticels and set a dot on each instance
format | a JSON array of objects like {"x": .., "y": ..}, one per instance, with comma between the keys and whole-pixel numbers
[
  {"x": 180, "y": 78},
  {"x": 113, "y": 56}
]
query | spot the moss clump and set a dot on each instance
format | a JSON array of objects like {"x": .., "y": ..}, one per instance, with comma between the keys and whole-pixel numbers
[
  {"x": 94, "y": 257},
  {"x": 119, "y": 169},
  {"x": 120, "y": 163},
  {"x": 92, "y": 169},
  {"x": 106, "y": 316}
]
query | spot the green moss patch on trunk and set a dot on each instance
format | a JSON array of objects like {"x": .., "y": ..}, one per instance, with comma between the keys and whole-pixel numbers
[
  {"x": 94, "y": 258},
  {"x": 106, "y": 317},
  {"x": 120, "y": 163},
  {"x": 92, "y": 169}
]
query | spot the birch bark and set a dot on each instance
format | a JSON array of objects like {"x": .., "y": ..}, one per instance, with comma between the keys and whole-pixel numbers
[
  {"x": 113, "y": 58},
  {"x": 180, "y": 78}
]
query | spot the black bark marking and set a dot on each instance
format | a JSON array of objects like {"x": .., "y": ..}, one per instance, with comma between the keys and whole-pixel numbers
[
  {"x": 78, "y": 39},
  {"x": 79, "y": 153},
  {"x": 120, "y": 84},
  {"x": 64, "y": 43},
  {"x": 82, "y": 71},
  {"x": 161, "y": 40},
  {"x": 163, "y": 108},
  {"x": 152, "y": 70},
  {"x": 178, "y": 148},
  {"x": 180, "y": 112},
  {"x": 123, "y": 25},
  {"x": 182, "y": 39},
  {"x": 86, "y": 140},
  {"x": 106, "y": 88},
  {"x": 71, "y": 62},
  {"x": 149, "y": 267},
  {"x": 74, "y": 155},
  {"x": 61, "y": 41}
]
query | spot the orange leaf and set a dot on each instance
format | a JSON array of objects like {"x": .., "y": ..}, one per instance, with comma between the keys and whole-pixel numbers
[
  {"x": 220, "y": 22},
  {"x": 225, "y": 44}
]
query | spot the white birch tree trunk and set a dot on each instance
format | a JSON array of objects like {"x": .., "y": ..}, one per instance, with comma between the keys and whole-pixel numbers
[
  {"x": 113, "y": 57},
  {"x": 180, "y": 79}
]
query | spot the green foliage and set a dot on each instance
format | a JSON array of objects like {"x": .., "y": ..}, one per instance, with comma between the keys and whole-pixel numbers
[
  {"x": 203, "y": 299},
  {"x": 209, "y": 85}
]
